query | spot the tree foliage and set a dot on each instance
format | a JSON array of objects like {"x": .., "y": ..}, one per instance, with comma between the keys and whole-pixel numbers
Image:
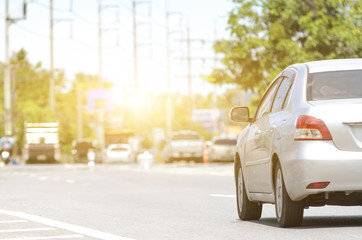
[{"x": 269, "y": 35}]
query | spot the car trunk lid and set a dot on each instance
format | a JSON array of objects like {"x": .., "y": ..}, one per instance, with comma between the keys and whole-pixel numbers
[{"x": 343, "y": 119}]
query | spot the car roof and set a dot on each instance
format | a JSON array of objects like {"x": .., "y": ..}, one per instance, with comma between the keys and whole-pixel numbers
[
  {"x": 119, "y": 145},
  {"x": 185, "y": 132},
  {"x": 232, "y": 137},
  {"x": 334, "y": 65}
]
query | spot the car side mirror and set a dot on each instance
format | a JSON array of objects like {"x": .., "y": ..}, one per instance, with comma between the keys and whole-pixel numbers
[{"x": 240, "y": 114}]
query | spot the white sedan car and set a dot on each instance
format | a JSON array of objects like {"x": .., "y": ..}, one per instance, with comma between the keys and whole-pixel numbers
[
  {"x": 119, "y": 153},
  {"x": 303, "y": 147},
  {"x": 222, "y": 149}
]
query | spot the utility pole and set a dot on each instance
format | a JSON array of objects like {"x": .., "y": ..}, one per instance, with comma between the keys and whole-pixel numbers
[
  {"x": 7, "y": 87},
  {"x": 7, "y": 74},
  {"x": 51, "y": 80},
  {"x": 100, "y": 67},
  {"x": 80, "y": 114},
  {"x": 51, "y": 83},
  {"x": 100, "y": 124},
  {"x": 168, "y": 73},
  {"x": 135, "y": 3},
  {"x": 168, "y": 70},
  {"x": 135, "y": 53},
  {"x": 189, "y": 76}
]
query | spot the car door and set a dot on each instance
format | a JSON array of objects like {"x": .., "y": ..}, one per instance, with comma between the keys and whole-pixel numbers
[
  {"x": 271, "y": 130},
  {"x": 255, "y": 164}
]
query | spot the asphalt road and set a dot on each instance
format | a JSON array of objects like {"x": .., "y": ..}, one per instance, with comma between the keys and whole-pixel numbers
[{"x": 176, "y": 201}]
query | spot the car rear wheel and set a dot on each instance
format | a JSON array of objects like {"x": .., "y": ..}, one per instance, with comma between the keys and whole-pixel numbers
[
  {"x": 247, "y": 210},
  {"x": 289, "y": 213}
]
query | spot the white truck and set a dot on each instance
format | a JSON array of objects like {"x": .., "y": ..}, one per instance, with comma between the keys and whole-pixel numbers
[{"x": 41, "y": 142}]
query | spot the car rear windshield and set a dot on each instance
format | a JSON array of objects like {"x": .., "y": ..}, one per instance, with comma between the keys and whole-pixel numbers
[
  {"x": 185, "y": 137},
  {"x": 334, "y": 85},
  {"x": 119, "y": 149},
  {"x": 226, "y": 142}
]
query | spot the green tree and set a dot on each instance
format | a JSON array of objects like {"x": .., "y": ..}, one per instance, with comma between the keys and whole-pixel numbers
[
  {"x": 269, "y": 35},
  {"x": 31, "y": 98}
]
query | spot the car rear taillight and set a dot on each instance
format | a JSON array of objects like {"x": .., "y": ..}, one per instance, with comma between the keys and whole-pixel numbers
[
  {"x": 318, "y": 185},
  {"x": 311, "y": 128}
]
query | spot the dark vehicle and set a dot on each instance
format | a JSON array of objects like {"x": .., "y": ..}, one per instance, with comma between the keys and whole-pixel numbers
[
  {"x": 83, "y": 148},
  {"x": 41, "y": 143}
]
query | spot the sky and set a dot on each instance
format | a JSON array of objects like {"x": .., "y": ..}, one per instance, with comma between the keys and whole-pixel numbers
[{"x": 76, "y": 39}]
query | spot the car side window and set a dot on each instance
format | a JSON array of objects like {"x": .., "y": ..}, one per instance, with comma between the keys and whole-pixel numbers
[
  {"x": 267, "y": 100},
  {"x": 283, "y": 91}
]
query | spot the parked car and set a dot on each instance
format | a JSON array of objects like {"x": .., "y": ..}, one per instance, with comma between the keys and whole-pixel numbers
[
  {"x": 121, "y": 153},
  {"x": 183, "y": 145},
  {"x": 303, "y": 147},
  {"x": 222, "y": 149},
  {"x": 82, "y": 148}
]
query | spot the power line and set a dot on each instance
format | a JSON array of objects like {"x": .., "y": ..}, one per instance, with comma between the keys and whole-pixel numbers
[
  {"x": 46, "y": 6},
  {"x": 124, "y": 5},
  {"x": 83, "y": 18},
  {"x": 31, "y": 32}
]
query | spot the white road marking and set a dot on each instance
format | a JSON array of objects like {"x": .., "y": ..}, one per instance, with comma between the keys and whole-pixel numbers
[
  {"x": 26, "y": 230},
  {"x": 43, "y": 178},
  {"x": 50, "y": 237},
  {"x": 13, "y": 221},
  {"x": 65, "y": 226},
  {"x": 222, "y": 195},
  {"x": 70, "y": 181}
]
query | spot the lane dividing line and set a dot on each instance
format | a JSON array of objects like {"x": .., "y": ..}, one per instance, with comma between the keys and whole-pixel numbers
[
  {"x": 65, "y": 226},
  {"x": 44, "y": 238},
  {"x": 222, "y": 195},
  {"x": 13, "y": 221},
  {"x": 26, "y": 230}
]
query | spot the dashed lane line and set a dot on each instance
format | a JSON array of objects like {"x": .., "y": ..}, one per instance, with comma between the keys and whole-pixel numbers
[
  {"x": 46, "y": 238},
  {"x": 65, "y": 226},
  {"x": 222, "y": 195}
]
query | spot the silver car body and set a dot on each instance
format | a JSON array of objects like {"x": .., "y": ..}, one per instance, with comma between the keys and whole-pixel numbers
[
  {"x": 222, "y": 149},
  {"x": 184, "y": 145},
  {"x": 119, "y": 153},
  {"x": 271, "y": 137}
]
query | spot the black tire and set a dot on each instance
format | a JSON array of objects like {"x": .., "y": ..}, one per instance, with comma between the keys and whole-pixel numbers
[
  {"x": 200, "y": 160},
  {"x": 289, "y": 213},
  {"x": 170, "y": 160},
  {"x": 247, "y": 210}
]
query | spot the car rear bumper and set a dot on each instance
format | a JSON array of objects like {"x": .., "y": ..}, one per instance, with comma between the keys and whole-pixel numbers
[
  {"x": 182, "y": 155},
  {"x": 321, "y": 161},
  {"x": 222, "y": 157},
  {"x": 119, "y": 159}
]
